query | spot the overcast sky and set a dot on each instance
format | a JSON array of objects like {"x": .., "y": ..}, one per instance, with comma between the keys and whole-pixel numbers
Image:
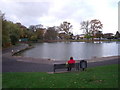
[{"x": 54, "y": 12}]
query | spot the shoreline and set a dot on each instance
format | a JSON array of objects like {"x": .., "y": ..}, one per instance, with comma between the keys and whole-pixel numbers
[
  {"x": 94, "y": 59},
  {"x": 50, "y": 61}
]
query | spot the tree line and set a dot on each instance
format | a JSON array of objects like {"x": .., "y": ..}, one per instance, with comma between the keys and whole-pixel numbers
[{"x": 14, "y": 32}]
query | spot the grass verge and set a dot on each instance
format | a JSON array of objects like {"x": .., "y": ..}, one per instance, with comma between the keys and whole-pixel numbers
[{"x": 97, "y": 77}]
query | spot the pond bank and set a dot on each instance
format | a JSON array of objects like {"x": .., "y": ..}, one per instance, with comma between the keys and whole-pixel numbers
[
  {"x": 47, "y": 60},
  {"x": 21, "y": 50},
  {"x": 50, "y": 61},
  {"x": 28, "y": 64}
]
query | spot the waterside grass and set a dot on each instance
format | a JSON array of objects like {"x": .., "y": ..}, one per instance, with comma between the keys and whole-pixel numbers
[{"x": 96, "y": 77}]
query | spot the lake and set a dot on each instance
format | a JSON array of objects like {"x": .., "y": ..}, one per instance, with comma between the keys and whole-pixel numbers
[{"x": 79, "y": 50}]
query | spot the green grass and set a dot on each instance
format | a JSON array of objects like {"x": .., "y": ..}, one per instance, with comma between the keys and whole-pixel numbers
[{"x": 97, "y": 77}]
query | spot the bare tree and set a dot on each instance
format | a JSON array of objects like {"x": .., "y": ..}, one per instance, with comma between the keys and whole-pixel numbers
[
  {"x": 85, "y": 26},
  {"x": 96, "y": 26},
  {"x": 65, "y": 26}
]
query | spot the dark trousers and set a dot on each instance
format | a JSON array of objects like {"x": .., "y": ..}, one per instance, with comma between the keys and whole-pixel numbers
[{"x": 70, "y": 66}]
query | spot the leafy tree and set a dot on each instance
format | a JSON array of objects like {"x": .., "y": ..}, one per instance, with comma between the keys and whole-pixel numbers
[
  {"x": 40, "y": 34},
  {"x": 33, "y": 38},
  {"x": 38, "y": 30},
  {"x": 10, "y": 32},
  {"x": 32, "y": 28},
  {"x": 14, "y": 39},
  {"x": 23, "y": 31},
  {"x": 87, "y": 36},
  {"x": 51, "y": 34},
  {"x": 29, "y": 34},
  {"x": 14, "y": 32},
  {"x": 5, "y": 34},
  {"x": 35, "y": 27}
]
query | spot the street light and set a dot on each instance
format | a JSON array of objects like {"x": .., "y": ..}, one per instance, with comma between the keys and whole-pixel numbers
[{"x": 83, "y": 64}]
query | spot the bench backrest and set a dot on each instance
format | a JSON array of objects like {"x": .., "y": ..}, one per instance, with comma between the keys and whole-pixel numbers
[
  {"x": 59, "y": 66},
  {"x": 71, "y": 65}
]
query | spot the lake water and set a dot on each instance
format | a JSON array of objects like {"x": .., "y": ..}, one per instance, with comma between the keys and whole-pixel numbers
[{"x": 79, "y": 50}]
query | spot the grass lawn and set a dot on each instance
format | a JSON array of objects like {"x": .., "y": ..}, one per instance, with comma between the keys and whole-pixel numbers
[{"x": 97, "y": 77}]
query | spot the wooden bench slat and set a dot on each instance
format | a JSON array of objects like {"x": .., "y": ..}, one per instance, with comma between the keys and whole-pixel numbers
[{"x": 61, "y": 66}]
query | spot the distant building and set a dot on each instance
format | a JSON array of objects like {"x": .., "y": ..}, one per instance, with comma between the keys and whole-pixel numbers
[
  {"x": 108, "y": 35},
  {"x": 77, "y": 37},
  {"x": 62, "y": 35},
  {"x": 82, "y": 36}
]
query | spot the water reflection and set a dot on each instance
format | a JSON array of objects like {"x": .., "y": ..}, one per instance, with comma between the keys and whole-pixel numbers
[{"x": 79, "y": 50}]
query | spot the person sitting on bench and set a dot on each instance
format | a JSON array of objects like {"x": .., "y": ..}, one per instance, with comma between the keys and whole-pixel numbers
[{"x": 71, "y": 63}]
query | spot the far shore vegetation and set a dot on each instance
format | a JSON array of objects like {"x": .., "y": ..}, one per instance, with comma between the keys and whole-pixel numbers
[{"x": 14, "y": 33}]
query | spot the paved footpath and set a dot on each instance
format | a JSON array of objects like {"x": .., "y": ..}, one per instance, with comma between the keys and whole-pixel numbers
[
  {"x": 14, "y": 64},
  {"x": 11, "y": 65},
  {"x": 14, "y": 48}
]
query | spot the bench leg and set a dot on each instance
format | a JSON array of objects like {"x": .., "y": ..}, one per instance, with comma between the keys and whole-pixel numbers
[
  {"x": 83, "y": 69},
  {"x": 77, "y": 68},
  {"x": 54, "y": 70}
]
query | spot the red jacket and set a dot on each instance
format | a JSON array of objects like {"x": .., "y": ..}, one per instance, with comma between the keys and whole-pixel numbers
[{"x": 71, "y": 61}]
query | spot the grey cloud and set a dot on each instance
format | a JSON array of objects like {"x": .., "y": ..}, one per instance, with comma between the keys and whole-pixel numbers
[
  {"x": 26, "y": 12},
  {"x": 29, "y": 12},
  {"x": 33, "y": 9},
  {"x": 69, "y": 11}
]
